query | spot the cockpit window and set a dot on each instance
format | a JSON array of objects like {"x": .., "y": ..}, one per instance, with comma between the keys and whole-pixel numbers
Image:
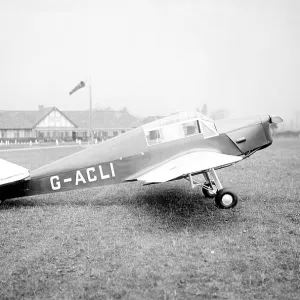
[
  {"x": 172, "y": 132},
  {"x": 154, "y": 136},
  {"x": 179, "y": 126},
  {"x": 191, "y": 128}
]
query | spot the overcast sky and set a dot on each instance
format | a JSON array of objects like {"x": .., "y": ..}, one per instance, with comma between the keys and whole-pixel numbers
[{"x": 154, "y": 56}]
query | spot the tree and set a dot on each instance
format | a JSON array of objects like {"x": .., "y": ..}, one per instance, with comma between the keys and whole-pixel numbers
[
  {"x": 273, "y": 128},
  {"x": 204, "y": 110},
  {"x": 297, "y": 120}
]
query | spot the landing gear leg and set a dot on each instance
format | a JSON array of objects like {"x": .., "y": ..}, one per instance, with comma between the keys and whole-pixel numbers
[
  {"x": 209, "y": 187},
  {"x": 212, "y": 188},
  {"x": 225, "y": 198}
]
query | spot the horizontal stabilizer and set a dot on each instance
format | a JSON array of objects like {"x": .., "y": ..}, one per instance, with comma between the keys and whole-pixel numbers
[
  {"x": 10, "y": 172},
  {"x": 188, "y": 163}
]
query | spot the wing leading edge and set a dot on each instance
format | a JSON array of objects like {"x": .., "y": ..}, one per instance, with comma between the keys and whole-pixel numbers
[{"x": 189, "y": 163}]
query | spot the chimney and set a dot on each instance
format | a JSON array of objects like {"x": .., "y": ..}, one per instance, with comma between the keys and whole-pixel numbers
[{"x": 41, "y": 107}]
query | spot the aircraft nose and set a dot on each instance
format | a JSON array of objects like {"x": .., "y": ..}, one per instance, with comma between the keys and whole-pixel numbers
[{"x": 266, "y": 121}]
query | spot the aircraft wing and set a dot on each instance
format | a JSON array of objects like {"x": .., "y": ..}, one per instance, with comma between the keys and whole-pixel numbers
[
  {"x": 10, "y": 172},
  {"x": 188, "y": 163}
]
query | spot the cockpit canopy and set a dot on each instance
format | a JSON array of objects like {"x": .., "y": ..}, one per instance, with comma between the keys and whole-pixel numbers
[{"x": 178, "y": 126}]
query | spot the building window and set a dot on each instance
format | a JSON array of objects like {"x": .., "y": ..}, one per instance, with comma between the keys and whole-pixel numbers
[
  {"x": 26, "y": 133},
  {"x": 110, "y": 133}
]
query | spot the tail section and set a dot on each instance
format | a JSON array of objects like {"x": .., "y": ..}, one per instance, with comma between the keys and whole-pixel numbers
[{"x": 10, "y": 172}]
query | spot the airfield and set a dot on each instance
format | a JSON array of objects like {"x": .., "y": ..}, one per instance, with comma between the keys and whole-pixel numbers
[{"x": 161, "y": 241}]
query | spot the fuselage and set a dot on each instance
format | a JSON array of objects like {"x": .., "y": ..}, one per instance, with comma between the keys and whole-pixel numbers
[{"x": 125, "y": 157}]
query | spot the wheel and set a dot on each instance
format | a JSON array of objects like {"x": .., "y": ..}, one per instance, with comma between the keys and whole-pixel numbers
[
  {"x": 208, "y": 193},
  {"x": 226, "y": 199}
]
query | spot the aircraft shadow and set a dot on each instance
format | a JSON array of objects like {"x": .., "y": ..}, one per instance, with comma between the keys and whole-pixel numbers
[
  {"x": 170, "y": 206},
  {"x": 175, "y": 208}
]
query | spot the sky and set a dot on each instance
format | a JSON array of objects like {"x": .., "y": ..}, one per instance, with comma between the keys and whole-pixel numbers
[{"x": 152, "y": 56}]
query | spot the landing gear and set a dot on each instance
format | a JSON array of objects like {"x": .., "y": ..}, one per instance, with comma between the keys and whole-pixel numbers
[
  {"x": 226, "y": 199},
  {"x": 209, "y": 190},
  {"x": 212, "y": 188}
]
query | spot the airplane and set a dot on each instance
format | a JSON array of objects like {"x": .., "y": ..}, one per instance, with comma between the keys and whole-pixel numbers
[{"x": 179, "y": 146}]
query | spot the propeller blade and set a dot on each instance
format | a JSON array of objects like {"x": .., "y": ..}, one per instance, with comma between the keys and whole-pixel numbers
[{"x": 275, "y": 119}]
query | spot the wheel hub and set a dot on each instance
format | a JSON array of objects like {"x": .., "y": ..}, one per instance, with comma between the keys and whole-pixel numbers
[{"x": 227, "y": 199}]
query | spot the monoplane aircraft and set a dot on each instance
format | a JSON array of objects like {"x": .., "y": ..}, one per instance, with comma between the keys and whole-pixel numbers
[{"x": 179, "y": 146}]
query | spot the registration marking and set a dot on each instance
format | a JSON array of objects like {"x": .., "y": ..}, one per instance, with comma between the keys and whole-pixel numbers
[{"x": 84, "y": 176}]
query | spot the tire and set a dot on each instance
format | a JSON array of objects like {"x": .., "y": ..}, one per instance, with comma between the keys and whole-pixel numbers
[
  {"x": 226, "y": 199},
  {"x": 207, "y": 193}
]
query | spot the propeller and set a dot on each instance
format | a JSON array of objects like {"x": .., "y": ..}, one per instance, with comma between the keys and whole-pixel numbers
[{"x": 275, "y": 119}]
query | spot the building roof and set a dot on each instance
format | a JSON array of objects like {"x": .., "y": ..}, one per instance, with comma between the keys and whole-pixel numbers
[
  {"x": 22, "y": 119},
  {"x": 102, "y": 119},
  {"x": 108, "y": 119},
  {"x": 151, "y": 119}
]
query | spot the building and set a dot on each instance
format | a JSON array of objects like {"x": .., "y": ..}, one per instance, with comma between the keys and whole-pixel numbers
[{"x": 49, "y": 124}]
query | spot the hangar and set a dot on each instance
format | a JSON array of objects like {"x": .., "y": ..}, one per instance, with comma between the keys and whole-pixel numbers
[{"x": 50, "y": 123}]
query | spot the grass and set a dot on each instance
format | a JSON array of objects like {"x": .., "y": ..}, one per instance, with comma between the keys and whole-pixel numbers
[{"x": 157, "y": 242}]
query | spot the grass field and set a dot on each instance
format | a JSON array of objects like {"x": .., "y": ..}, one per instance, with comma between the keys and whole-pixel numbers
[{"x": 158, "y": 242}]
